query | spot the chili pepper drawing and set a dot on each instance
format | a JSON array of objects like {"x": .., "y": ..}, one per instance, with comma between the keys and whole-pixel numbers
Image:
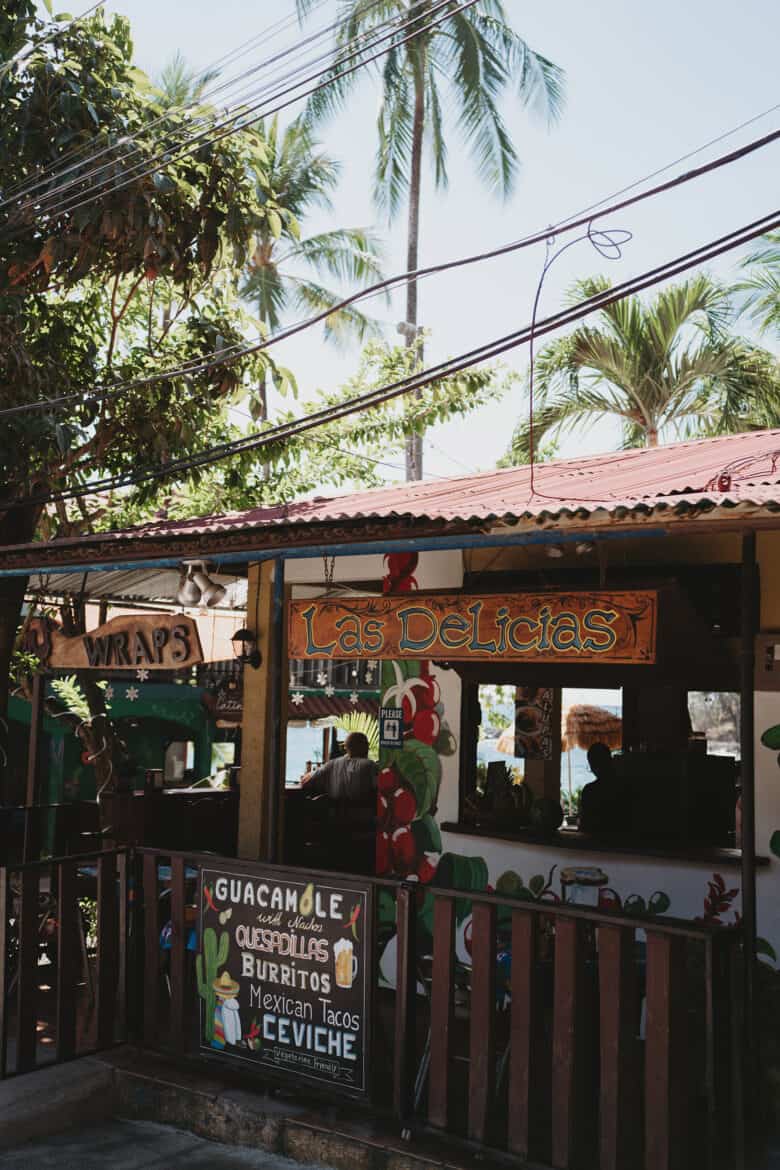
[
  {"x": 208, "y": 896},
  {"x": 351, "y": 923}
]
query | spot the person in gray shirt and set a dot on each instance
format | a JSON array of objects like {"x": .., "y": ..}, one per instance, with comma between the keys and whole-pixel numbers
[
  {"x": 348, "y": 779},
  {"x": 349, "y": 782}
]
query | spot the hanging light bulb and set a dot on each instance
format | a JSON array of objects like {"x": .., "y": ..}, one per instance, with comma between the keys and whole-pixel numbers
[{"x": 188, "y": 592}]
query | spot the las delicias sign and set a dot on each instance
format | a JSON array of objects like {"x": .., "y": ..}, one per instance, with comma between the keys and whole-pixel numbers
[
  {"x": 283, "y": 977},
  {"x": 614, "y": 626},
  {"x": 160, "y": 641}
]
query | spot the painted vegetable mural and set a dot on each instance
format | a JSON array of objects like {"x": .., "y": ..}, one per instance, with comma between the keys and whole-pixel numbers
[{"x": 207, "y": 965}]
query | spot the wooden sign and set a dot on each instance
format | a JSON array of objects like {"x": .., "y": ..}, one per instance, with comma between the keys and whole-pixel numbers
[
  {"x": 155, "y": 641},
  {"x": 283, "y": 975},
  {"x": 614, "y": 626}
]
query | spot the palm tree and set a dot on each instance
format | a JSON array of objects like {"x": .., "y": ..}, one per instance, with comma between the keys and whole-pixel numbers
[
  {"x": 464, "y": 66},
  {"x": 761, "y": 285},
  {"x": 285, "y": 270},
  {"x": 179, "y": 86},
  {"x": 666, "y": 366}
]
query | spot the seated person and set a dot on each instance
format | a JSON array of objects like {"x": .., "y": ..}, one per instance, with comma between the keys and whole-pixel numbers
[
  {"x": 604, "y": 802},
  {"x": 350, "y": 783}
]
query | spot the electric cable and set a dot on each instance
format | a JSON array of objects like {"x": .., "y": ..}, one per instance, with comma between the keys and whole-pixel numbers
[
  {"x": 235, "y": 353},
  {"x": 488, "y": 350},
  {"x": 243, "y": 117}
]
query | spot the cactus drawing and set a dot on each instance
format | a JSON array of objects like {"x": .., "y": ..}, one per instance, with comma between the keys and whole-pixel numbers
[{"x": 207, "y": 967}]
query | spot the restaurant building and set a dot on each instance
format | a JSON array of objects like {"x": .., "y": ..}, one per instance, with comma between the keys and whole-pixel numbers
[{"x": 531, "y": 947}]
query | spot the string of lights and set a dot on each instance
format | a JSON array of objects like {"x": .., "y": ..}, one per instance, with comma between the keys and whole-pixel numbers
[
  {"x": 235, "y": 353},
  {"x": 381, "y": 395}
]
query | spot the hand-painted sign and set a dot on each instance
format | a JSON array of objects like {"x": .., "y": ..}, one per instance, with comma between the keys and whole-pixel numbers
[
  {"x": 159, "y": 641},
  {"x": 614, "y": 626},
  {"x": 283, "y": 975}
]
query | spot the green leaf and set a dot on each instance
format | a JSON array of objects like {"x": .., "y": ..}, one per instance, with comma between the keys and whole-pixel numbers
[
  {"x": 771, "y": 738},
  {"x": 764, "y": 947},
  {"x": 536, "y": 884},
  {"x": 274, "y": 222},
  {"x": 420, "y": 767},
  {"x": 509, "y": 884},
  {"x": 49, "y": 7},
  {"x": 427, "y": 835},
  {"x": 774, "y": 843}
]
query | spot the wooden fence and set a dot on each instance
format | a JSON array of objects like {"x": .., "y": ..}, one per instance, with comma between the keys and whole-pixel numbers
[
  {"x": 65, "y": 933},
  {"x": 576, "y": 1037}
]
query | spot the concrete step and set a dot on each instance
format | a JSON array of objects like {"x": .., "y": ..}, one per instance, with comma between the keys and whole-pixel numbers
[{"x": 51, "y": 1100}]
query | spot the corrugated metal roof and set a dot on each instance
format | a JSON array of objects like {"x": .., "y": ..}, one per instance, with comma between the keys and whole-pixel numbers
[
  {"x": 678, "y": 472},
  {"x": 723, "y": 472}
]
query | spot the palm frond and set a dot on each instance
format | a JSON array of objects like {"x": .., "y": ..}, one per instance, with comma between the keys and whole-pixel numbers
[
  {"x": 349, "y": 254},
  {"x": 342, "y": 323}
]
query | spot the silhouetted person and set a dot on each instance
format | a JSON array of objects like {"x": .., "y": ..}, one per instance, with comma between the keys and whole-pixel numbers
[
  {"x": 603, "y": 803},
  {"x": 350, "y": 783}
]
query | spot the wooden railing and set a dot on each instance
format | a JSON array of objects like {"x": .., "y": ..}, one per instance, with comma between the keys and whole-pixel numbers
[
  {"x": 65, "y": 929},
  {"x": 603, "y": 1041}
]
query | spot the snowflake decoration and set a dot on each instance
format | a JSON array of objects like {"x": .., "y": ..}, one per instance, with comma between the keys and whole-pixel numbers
[
  {"x": 322, "y": 678},
  {"x": 131, "y": 694},
  {"x": 142, "y": 674},
  {"x": 297, "y": 698},
  {"x": 372, "y": 664},
  {"x": 353, "y": 698},
  {"x": 330, "y": 692},
  {"x": 109, "y": 692}
]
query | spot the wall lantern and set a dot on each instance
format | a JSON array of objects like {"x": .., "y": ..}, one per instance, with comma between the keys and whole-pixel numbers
[
  {"x": 197, "y": 588},
  {"x": 245, "y": 648}
]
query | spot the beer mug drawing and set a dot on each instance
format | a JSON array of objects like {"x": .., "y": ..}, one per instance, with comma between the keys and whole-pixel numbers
[{"x": 346, "y": 963}]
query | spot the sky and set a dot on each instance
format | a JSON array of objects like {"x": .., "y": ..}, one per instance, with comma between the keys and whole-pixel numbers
[{"x": 646, "y": 84}]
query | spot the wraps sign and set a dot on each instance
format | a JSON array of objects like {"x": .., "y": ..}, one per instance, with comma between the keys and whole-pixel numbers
[
  {"x": 614, "y": 626},
  {"x": 282, "y": 975}
]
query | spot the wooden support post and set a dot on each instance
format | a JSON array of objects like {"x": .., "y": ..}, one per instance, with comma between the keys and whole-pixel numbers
[
  {"x": 36, "y": 722},
  {"x": 4, "y": 915},
  {"x": 257, "y": 729},
  {"x": 482, "y": 1033},
  {"x": 522, "y": 1027},
  {"x": 618, "y": 1021},
  {"x": 442, "y": 1010}
]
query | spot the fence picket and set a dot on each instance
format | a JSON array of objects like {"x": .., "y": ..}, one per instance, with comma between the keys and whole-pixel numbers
[
  {"x": 665, "y": 1048},
  {"x": 405, "y": 1004},
  {"x": 566, "y": 1097},
  {"x": 68, "y": 950},
  {"x": 521, "y": 1032},
  {"x": 618, "y": 1021},
  {"x": 482, "y": 1030},
  {"x": 27, "y": 972},
  {"x": 107, "y": 950},
  {"x": 442, "y": 1010},
  {"x": 177, "y": 952},
  {"x": 151, "y": 986}
]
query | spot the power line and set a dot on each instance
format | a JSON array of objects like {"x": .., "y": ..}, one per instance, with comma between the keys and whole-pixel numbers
[
  {"x": 240, "y": 120},
  {"x": 86, "y": 153},
  {"x": 444, "y": 369},
  {"x": 235, "y": 353}
]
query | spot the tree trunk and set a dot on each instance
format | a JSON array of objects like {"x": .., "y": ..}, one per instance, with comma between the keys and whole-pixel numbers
[
  {"x": 414, "y": 443},
  {"x": 652, "y": 436}
]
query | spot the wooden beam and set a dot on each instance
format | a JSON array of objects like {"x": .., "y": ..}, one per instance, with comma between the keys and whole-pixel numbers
[{"x": 253, "y": 831}]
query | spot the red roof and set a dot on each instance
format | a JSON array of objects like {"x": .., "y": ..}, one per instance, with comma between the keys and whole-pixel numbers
[{"x": 724, "y": 471}]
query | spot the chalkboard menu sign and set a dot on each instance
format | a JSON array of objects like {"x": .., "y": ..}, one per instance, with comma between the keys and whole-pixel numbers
[{"x": 282, "y": 974}]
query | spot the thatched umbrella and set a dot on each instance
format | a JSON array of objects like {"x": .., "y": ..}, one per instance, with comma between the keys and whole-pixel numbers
[{"x": 583, "y": 725}]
